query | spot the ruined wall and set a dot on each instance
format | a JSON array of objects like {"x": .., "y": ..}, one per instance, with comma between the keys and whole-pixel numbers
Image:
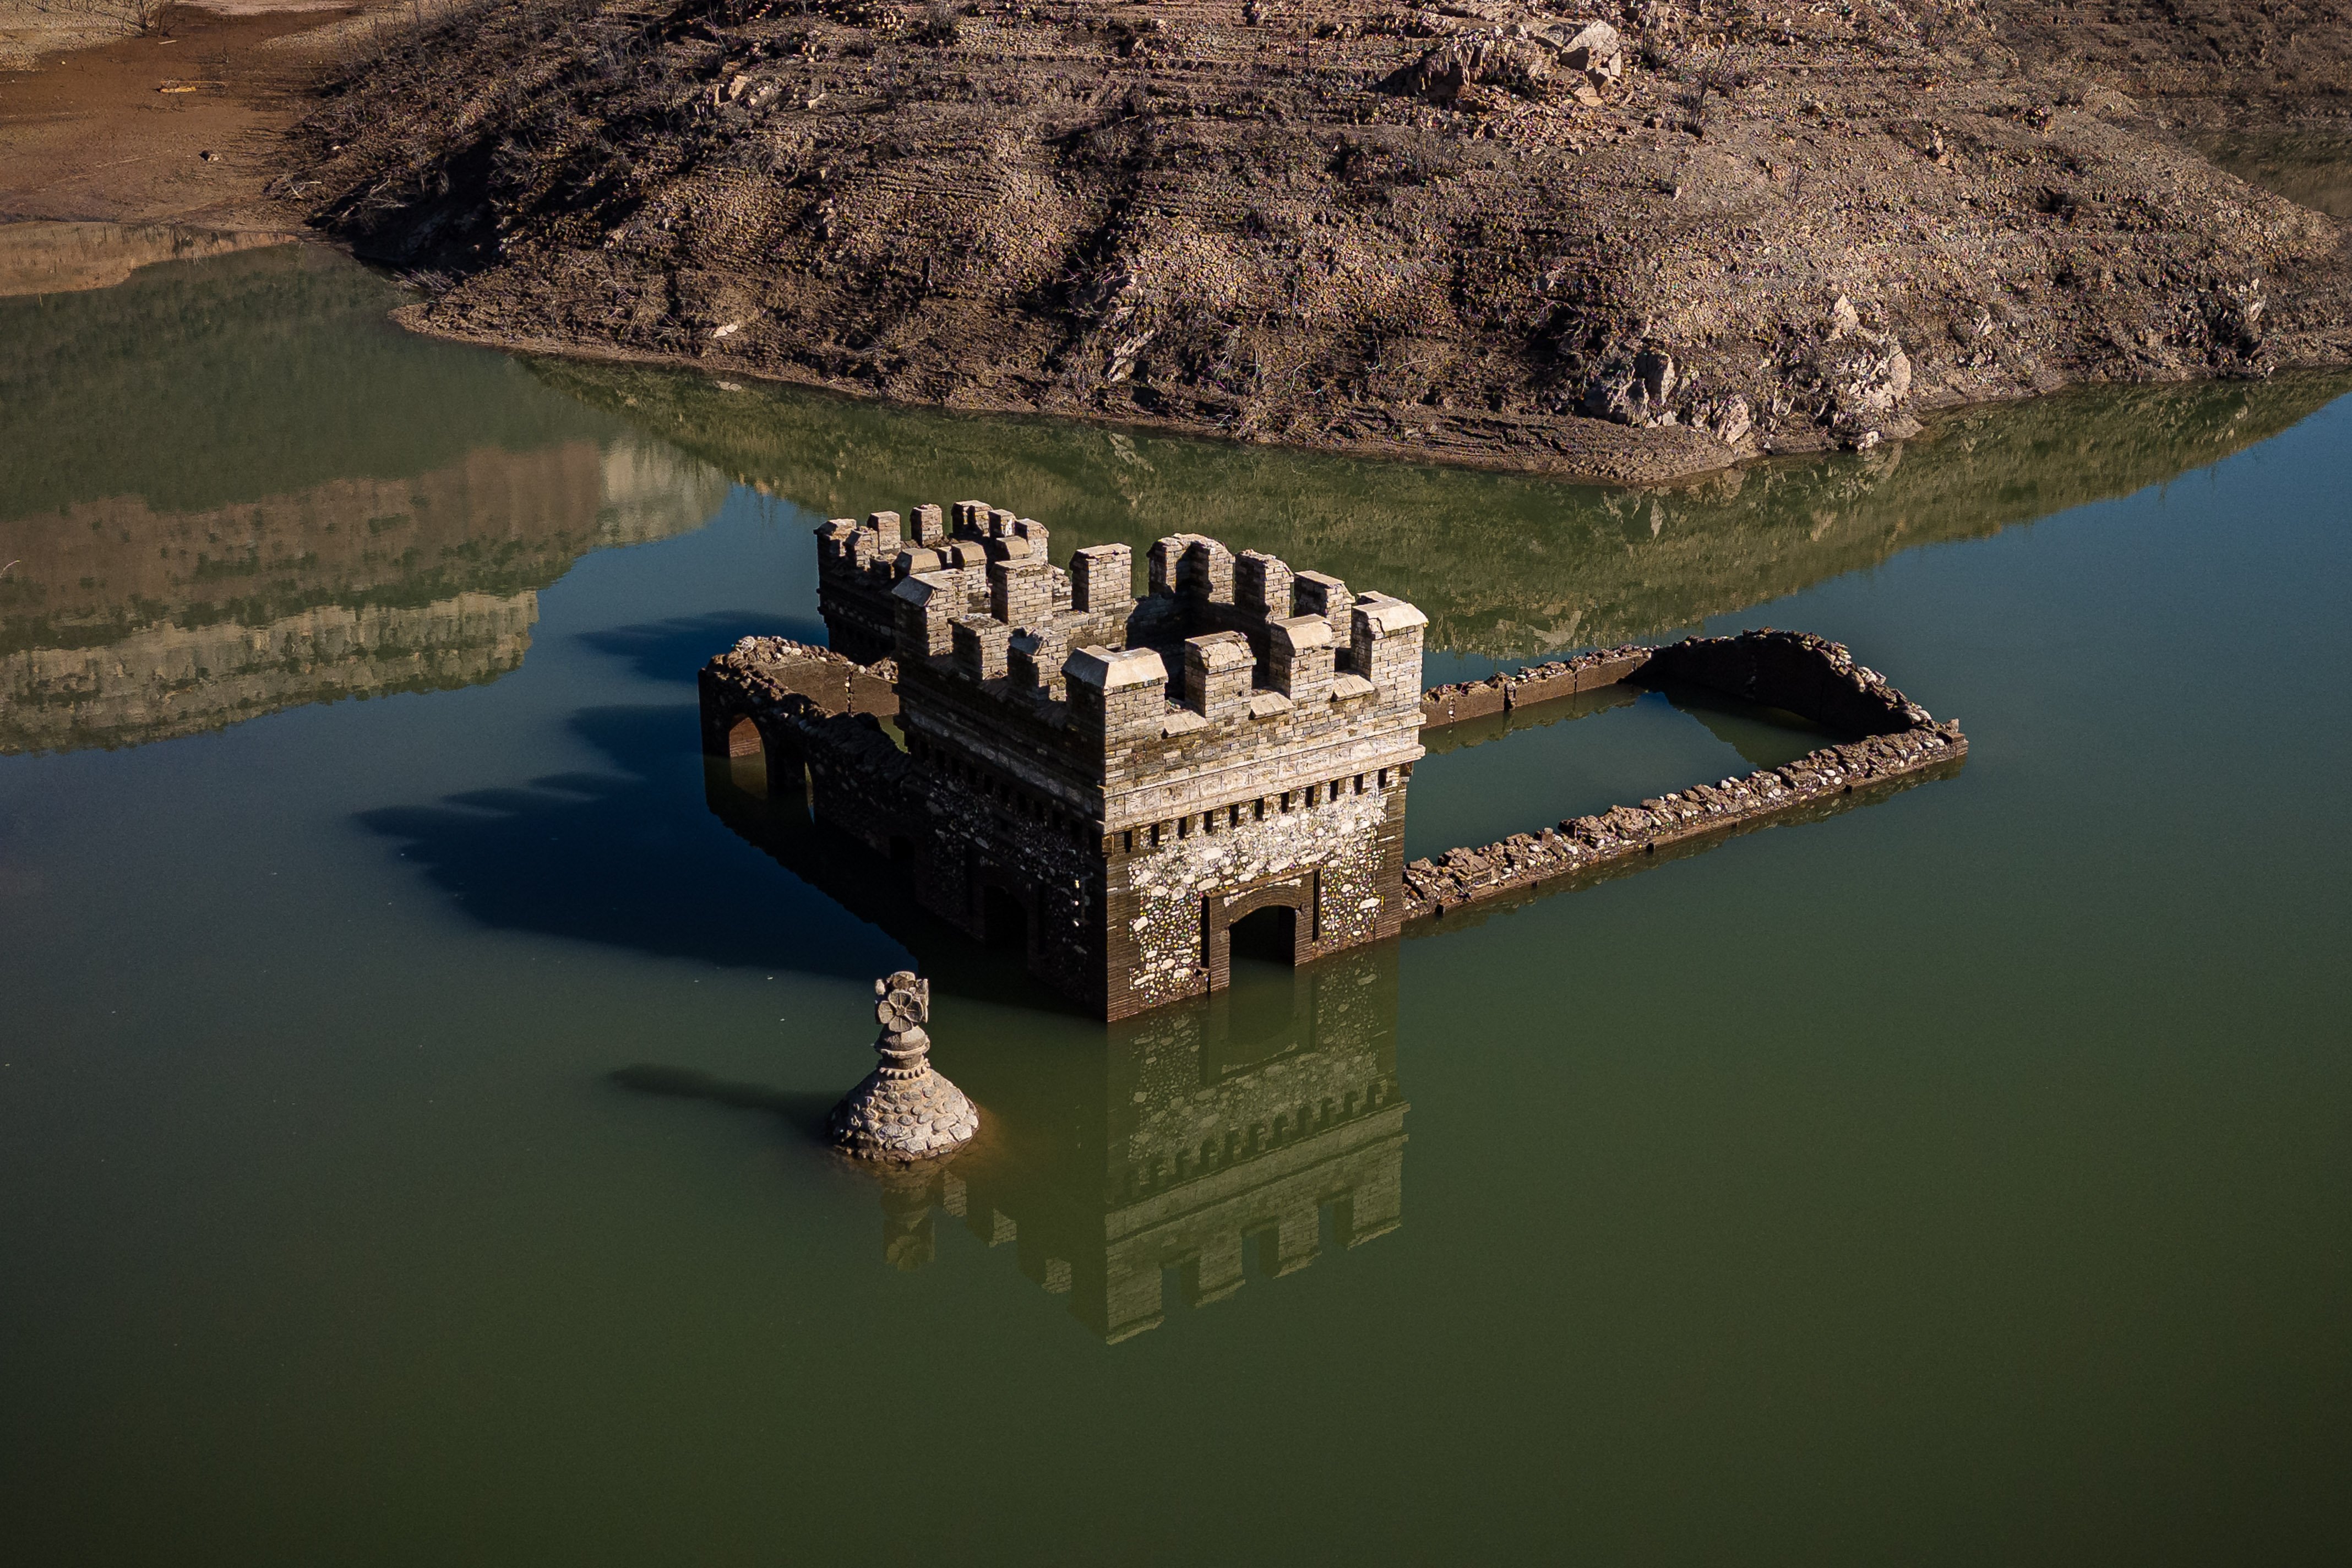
[
  {"x": 1134, "y": 776},
  {"x": 1046, "y": 864},
  {"x": 1807, "y": 675},
  {"x": 1207, "y": 744}
]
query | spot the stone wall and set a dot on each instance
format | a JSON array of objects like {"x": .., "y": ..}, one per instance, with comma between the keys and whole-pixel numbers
[
  {"x": 1333, "y": 857},
  {"x": 1806, "y": 675},
  {"x": 1240, "y": 736},
  {"x": 1130, "y": 827},
  {"x": 1135, "y": 918}
]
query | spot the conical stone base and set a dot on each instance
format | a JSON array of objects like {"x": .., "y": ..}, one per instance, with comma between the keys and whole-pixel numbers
[
  {"x": 893, "y": 1117},
  {"x": 903, "y": 1111}
]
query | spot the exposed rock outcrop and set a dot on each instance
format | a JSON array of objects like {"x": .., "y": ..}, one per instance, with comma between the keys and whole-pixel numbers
[{"x": 1628, "y": 245}]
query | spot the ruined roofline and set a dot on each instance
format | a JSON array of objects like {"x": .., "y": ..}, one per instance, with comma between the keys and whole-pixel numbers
[{"x": 1272, "y": 661}]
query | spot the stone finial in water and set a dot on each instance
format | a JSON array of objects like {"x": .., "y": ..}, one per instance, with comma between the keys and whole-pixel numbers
[{"x": 903, "y": 1111}]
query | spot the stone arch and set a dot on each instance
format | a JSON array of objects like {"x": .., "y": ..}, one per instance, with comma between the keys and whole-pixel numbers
[{"x": 1221, "y": 914}]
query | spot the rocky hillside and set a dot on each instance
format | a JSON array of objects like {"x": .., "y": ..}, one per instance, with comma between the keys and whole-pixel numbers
[{"x": 1630, "y": 244}]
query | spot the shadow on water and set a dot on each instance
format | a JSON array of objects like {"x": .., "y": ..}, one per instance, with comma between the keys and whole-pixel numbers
[
  {"x": 803, "y": 1113},
  {"x": 772, "y": 814},
  {"x": 674, "y": 649},
  {"x": 1223, "y": 1139},
  {"x": 627, "y": 859},
  {"x": 1764, "y": 737}
]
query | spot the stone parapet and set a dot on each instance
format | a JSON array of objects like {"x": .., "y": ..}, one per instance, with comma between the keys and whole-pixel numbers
[
  {"x": 995, "y": 562},
  {"x": 1625, "y": 834},
  {"x": 1208, "y": 693}
]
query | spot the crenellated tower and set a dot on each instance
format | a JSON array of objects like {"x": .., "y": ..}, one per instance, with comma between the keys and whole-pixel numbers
[{"x": 1122, "y": 780}]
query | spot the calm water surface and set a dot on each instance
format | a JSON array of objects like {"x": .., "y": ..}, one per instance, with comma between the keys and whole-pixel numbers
[{"x": 411, "y": 1048}]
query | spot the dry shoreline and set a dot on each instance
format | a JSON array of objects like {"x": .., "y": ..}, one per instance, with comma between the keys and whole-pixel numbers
[
  {"x": 416, "y": 318},
  {"x": 419, "y": 318},
  {"x": 1456, "y": 234},
  {"x": 1820, "y": 270}
]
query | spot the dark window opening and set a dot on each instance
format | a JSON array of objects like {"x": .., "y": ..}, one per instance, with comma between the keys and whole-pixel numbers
[{"x": 1004, "y": 922}]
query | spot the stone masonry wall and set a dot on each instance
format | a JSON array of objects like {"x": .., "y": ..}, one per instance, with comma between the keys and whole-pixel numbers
[
  {"x": 1806, "y": 675},
  {"x": 859, "y": 565},
  {"x": 1187, "y": 727},
  {"x": 1325, "y": 860},
  {"x": 1112, "y": 808},
  {"x": 973, "y": 844},
  {"x": 1136, "y": 919}
]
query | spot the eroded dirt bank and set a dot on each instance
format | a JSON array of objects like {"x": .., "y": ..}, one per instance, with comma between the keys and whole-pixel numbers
[
  {"x": 1631, "y": 244},
  {"x": 173, "y": 114}
]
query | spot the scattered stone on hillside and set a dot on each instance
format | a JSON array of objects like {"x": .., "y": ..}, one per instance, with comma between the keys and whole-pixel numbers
[{"x": 1452, "y": 233}]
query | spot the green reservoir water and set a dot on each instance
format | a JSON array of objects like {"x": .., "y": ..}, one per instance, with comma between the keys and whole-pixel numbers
[{"x": 411, "y": 1049}]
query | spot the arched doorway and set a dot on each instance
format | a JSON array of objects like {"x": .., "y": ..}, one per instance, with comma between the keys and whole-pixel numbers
[
  {"x": 1259, "y": 1013},
  {"x": 1269, "y": 935},
  {"x": 746, "y": 757}
]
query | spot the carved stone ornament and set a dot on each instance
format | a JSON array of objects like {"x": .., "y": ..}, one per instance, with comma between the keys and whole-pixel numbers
[{"x": 904, "y": 1109}]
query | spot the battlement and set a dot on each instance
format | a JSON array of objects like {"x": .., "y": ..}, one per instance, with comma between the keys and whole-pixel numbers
[
  {"x": 1230, "y": 666},
  {"x": 1123, "y": 779},
  {"x": 858, "y": 565}
]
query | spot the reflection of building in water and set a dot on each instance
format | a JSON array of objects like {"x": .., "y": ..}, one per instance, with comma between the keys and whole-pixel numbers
[
  {"x": 1179, "y": 1142},
  {"x": 1201, "y": 1133},
  {"x": 121, "y": 623}
]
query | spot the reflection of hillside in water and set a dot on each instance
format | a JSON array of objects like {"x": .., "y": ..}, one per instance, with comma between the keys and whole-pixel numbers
[
  {"x": 1504, "y": 564},
  {"x": 64, "y": 258},
  {"x": 230, "y": 486}
]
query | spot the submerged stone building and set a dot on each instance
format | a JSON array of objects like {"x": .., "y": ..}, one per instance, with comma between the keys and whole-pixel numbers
[{"x": 1116, "y": 781}]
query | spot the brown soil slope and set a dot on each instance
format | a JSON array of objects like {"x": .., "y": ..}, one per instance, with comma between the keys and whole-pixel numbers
[{"x": 1483, "y": 233}]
